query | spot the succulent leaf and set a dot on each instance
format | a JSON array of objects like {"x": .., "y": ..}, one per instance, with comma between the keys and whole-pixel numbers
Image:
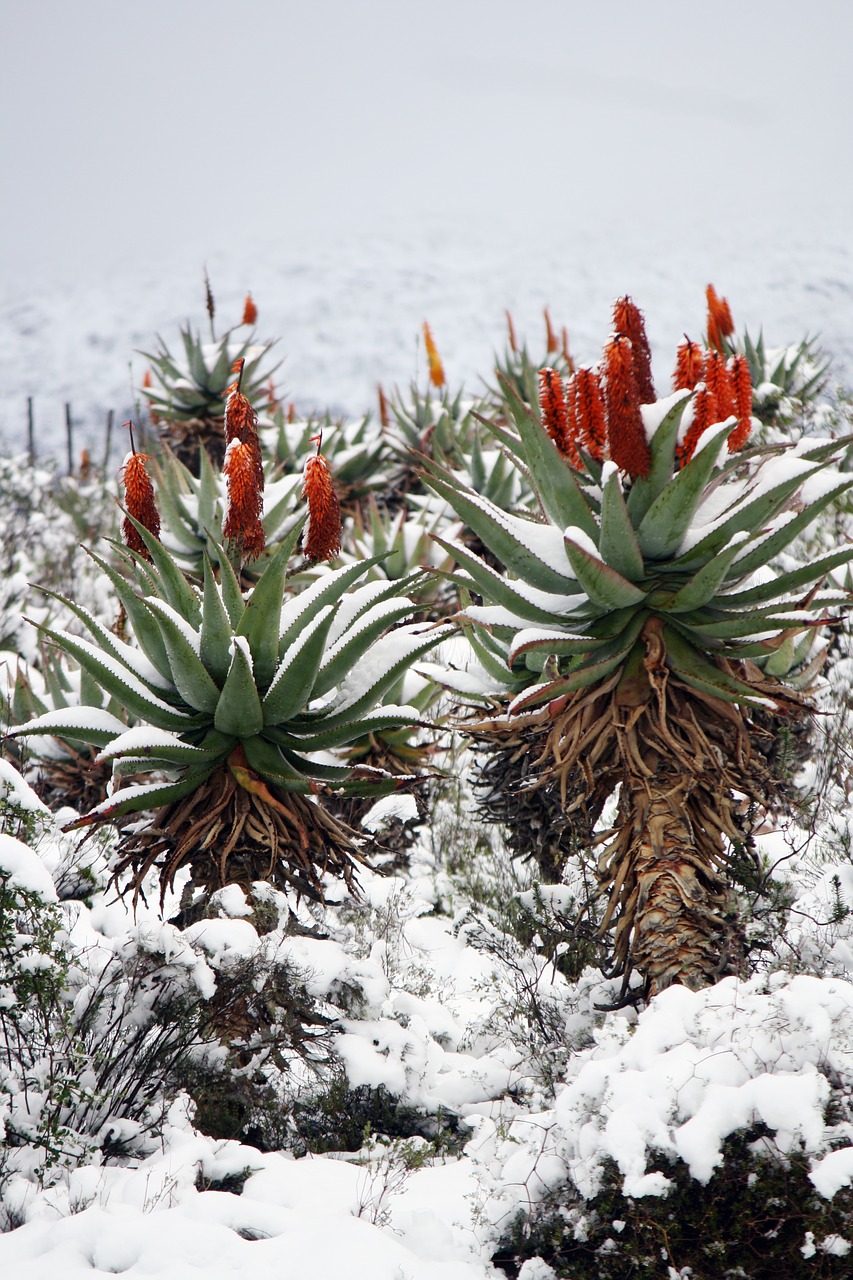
[{"x": 239, "y": 711}]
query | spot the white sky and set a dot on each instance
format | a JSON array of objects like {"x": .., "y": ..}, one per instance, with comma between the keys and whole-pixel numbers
[{"x": 129, "y": 129}]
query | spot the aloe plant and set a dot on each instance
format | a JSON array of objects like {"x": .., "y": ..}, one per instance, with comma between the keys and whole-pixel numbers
[
  {"x": 237, "y": 704},
  {"x": 186, "y": 394},
  {"x": 634, "y": 642},
  {"x": 785, "y": 380}
]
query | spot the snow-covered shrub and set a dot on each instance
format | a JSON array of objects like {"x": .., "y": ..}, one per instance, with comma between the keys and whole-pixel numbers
[{"x": 717, "y": 1117}]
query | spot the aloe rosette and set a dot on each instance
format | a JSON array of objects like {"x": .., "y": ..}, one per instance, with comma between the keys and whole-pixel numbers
[
  {"x": 239, "y": 706},
  {"x": 186, "y": 393},
  {"x": 635, "y": 640}
]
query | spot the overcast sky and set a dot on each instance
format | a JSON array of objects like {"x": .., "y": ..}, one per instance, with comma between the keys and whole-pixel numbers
[{"x": 171, "y": 126}]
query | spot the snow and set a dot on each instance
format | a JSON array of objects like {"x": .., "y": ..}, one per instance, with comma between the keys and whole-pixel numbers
[
  {"x": 68, "y": 719},
  {"x": 23, "y": 868},
  {"x": 402, "y": 808}
]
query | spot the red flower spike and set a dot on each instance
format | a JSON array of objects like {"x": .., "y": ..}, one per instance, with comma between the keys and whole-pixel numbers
[
  {"x": 242, "y": 525},
  {"x": 551, "y": 337},
  {"x": 628, "y": 319},
  {"x": 629, "y": 447},
  {"x": 139, "y": 501},
  {"x": 742, "y": 383},
  {"x": 592, "y": 423},
  {"x": 250, "y": 311},
  {"x": 704, "y": 413},
  {"x": 688, "y": 366},
  {"x": 717, "y": 379},
  {"x": 322, "y": 537},
  {"x": 555, "y": 414},
  {"x": 720, "y": 322},
  {"x": 436, "y": 368}
]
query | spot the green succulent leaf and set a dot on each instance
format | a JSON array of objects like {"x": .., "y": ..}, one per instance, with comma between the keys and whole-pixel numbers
[
  {"x": 216, "y": 629},
  {"x": 293, "y": 684},
  {"x": 239, "y": 711},
  {"x": 519, "y": 544},
  {"x": 617, "y": 542},
  {"x": 343, "y": 656},
  {"x": 553, "y": 478},
  {"x": 174, "y": 587},
  {"x": 144, "y": 626},
  {"x": 646, "y": 489},
  {"x": 73, "y": 722},
  {"x": 120, "y": 681},
  {"x": 267, "y": 760},
  {"x": 157, "y": 744},
  {"x": 606, "y": 588},
  {"x": 328, "y": 589},
  {"x": 706, "y": 582},
  {"x": 748, "y": 514},
  {"x": 142, "y": 796},
  {"x": 387, "y": 660},
  {"x": 260, "y": 622},
  {"x": 109, "y": 642},
  {"x": 494, "y": 586},
  {"x": 781, "y": 586},
  {"x": 189, "y": 674},
  {"x": 232, "y": 596},
  {"x": 379, "y": 722},
  {"x": 701, "y": 674},
  {"x": 767, "y": 548},
  {"x": 668, "y": 518}
]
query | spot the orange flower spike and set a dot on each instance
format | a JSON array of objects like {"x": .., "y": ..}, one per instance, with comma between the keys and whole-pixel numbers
[
  {"x": 628, "y": 319},
  {"x": 139, "y": 500},
  {"x": 241, "y": 424},
  {"x": 242, "y": 524},
  {"x": 240, "y": 417},
  {"x": 553, "y": 344},
  {"x": 718, "y": 380},
  {"x": 322, "y": 537},
  {"x": 555, "y": 414},
  {"x": 513, "y": 341},
  {"x": 688, "y": 366},
  {"x": 384, "y": 413},
  {"x": 742, "y": 383},
  {"x": 564, "y": 349},
  {"x": 629, "y": 446},
  {"x": 592, "y": 423},
  {"x": 720, "y": 322},
  {"x": 436, "y": 368},
  {"x": 250, "y": 311},
  {"x": 146, "y": 386}
]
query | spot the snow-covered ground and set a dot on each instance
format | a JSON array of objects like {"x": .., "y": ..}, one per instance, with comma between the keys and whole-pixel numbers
[{"x": 348, "y": 312}]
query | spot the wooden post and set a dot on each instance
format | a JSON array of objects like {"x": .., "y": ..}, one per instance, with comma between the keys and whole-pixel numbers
[
  {"x": 108, "y": 444},
  {"x": 31, "y": 433},
  {"x": 69, "y": 436}
]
